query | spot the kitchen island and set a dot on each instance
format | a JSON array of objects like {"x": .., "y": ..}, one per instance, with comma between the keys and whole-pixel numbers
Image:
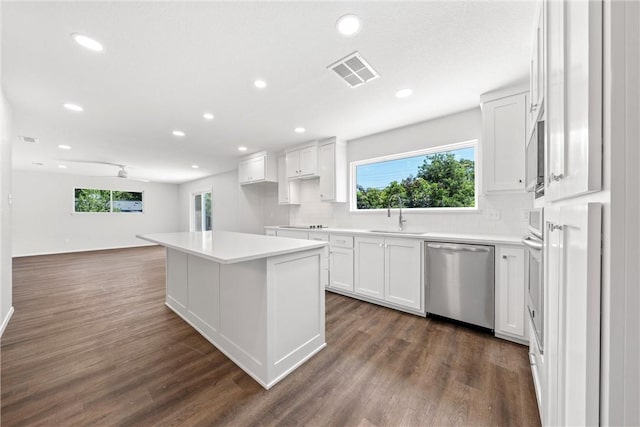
[{"x": 258, "y": 299}]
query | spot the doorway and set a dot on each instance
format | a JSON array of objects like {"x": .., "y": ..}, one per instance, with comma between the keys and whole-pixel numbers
[{"x": 201, "y": 211}]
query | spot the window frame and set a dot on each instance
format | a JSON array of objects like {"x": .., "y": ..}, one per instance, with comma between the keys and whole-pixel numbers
[
  {"x": 472, "y": 143},
  {"x": 111, "y": 211}
]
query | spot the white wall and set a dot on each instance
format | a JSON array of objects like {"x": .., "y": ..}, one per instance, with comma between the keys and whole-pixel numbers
[
  {"x": 463, "y": 126},
  {"x": 6, "y": 301},
  {"x": 44, "y": 221},
  {"x": 5, "y": 214},
  {"x": 246, "y": 208}
]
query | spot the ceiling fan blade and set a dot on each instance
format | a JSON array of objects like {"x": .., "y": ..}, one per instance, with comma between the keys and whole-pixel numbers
[{"x": 94, "y": 162}]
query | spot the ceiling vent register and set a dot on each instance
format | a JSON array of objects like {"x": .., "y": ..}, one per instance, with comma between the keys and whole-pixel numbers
[
  {"x": 354, "y": 70},
  {"x": 28, "y": 139}
]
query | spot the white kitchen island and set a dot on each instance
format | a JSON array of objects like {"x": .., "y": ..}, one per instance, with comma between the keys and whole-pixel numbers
[{"x": 258, "y": 299}]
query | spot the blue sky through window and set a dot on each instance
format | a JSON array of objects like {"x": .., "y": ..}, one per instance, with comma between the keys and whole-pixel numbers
[{"x": 381, "y": 174}]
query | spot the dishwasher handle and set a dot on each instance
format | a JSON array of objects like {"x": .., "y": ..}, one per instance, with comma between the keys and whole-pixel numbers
[
  {"x": 458, "y": 248},
  {"x": 532, "y": 243}
]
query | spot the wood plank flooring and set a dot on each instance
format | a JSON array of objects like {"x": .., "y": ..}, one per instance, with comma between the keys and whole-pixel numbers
[{"x": 91, "y": 343}]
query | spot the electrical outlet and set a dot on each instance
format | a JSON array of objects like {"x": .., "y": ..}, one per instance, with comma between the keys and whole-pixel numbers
[{"x": 493, "y": 214}]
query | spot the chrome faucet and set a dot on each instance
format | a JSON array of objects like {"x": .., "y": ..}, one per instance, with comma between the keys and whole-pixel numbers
[{"x": 401, "y": 221}]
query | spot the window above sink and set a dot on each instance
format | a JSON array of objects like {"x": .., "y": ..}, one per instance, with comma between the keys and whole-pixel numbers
[{"x": 437, "y": 178}]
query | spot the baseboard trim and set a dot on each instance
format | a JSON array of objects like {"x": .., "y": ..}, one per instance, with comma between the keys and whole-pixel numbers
[
  {"x": 5, "y": 321},
  {"x": 83, "y": 250}
]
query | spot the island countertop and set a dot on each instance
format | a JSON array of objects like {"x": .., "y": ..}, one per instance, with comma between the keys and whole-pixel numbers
[{"x": 227, "y": 247}]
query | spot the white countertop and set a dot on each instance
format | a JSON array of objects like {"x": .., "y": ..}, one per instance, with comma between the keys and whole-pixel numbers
[
  {"x": 228, "y": 247},
  {"x": 426, "y": 236}
]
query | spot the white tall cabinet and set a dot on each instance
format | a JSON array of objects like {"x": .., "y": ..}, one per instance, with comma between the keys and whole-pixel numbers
[{"x": 570, "y": 376}]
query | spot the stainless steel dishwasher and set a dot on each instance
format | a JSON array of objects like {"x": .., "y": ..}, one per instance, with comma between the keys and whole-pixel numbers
[{"x": 460, "y": 282}]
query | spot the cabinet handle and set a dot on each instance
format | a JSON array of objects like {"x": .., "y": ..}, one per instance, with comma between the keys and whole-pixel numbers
[
  {"x": 555, "y": 177},
  {"x": 380, "y": 244},
  {"x": 322, "y": 195},
  {"x": 520, "y": 181},
  {"x": 504, "y": 257},
  {"x": 533, "y": 108}
]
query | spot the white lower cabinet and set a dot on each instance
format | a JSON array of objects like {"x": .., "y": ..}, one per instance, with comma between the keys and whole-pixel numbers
[
  {"x": 369, "y": 268},
  {"x": 341, "y": 268},
  {"x": 510, "y": 294},
  {"x": 323, "y": 237},
  {"x": 402, "y": 272},
  {"x": 390, "y": 270}
]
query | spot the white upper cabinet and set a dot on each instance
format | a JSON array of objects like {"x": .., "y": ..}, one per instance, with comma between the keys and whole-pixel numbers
[
  {"x": 536, "y": 77},
  {"x": 332, "y": 161},
  {"x": 258, "y": 167},
  {"x": 302, "y": 162},
  {"x": 288, "y": 191},
  {"x": 504, "y": 132},
  {"x": 574, "y": 98}
]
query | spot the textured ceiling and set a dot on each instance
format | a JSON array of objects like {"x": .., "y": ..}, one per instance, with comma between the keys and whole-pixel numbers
[{"x": 166, "y": 63}]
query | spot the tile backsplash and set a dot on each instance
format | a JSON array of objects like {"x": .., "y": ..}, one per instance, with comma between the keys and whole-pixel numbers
[{"x": 502, "y": 214}]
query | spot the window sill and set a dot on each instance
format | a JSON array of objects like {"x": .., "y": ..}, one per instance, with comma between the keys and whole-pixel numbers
[{"x": 419, "y": 210}]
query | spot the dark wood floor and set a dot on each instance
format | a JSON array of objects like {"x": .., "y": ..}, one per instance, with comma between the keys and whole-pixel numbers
[{"x": 91, "y": 343}]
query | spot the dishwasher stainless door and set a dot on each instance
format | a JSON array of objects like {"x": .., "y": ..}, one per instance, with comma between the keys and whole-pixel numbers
[{"x": 460, "y": 282}]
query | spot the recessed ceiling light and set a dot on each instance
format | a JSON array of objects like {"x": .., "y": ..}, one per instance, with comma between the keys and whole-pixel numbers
[
  {"x": 403, "y": 93},
  {"x": 241, "y": 148},
  {"x": 348, "y": 25},
  {"x": 73, "y": 107},
  {"x": 300, "y": 130},
  {"x": 62, "y": 166},
  {"x": 178, "y": 133},
  {"x": 208, "y": 116},
  {"x": 64, "y": 147},
  {"x": 195, "y": 166},
  {"x": 260, "y": 84},
  {"x": 87, "y": 42}
]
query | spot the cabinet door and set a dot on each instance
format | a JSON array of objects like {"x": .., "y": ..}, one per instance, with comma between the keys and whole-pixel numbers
[
  {"x": 536, "y": 78},
  {"x": 326, "y": 164},
  {"x": 510, "y": 295},
  {"x": 258, "y": 168},
  {"x": 574, "y": 99},
  {"x": 504, "y": 136},
  {"x": 244, "y": 171},
  {"x": 283, "y": 182},
  {"x": 292, "y": 159},
  {"x": 341, "y": 268},
  {"x": 572, "y": 321},
  {"x": 308, "y": 161},
  {"x": 403, "y": 272},
  {"x": 369, "y": 267}
]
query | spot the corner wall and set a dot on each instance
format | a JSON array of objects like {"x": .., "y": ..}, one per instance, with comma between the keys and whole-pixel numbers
[
  {"x": 44, "y": 221},
  {"x": 6, "y": 298}
]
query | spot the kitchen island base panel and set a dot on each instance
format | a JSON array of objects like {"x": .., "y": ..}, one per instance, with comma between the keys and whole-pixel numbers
[{"x": 266, "y": 315}]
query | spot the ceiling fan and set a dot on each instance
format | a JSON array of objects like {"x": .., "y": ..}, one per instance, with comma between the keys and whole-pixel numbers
[{"x": 122, "y": 173}]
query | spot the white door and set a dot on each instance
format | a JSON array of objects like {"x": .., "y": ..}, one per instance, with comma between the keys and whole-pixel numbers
[
  {"x": 403, "y": 272},
  {"x": 510, "y": 303},
  {"x": 341, "y": 268},
  {"x": 309, "y": 161},
  {"x": 369, "y": 267},
  {"x": 201, "y": 211},
  {"x": 283, "y": 182},
  {"x": 574, "y": 99},
  {"x": 292, "y": 159},
  {"x": 572, "y": 341},
  {"x": 258, "y": 168},
  {"x": 326, "y": 163},
  {"x": 244, "y": 170},
  {"x": 504, "y": 137}
]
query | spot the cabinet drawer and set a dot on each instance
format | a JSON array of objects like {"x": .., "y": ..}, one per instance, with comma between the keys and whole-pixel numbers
[
  {"x": 319, "y": 236},
  {"x": 341, "y": 241}
]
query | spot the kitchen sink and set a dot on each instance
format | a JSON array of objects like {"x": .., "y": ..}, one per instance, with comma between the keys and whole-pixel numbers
[{"x": 415, "y": 233}]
